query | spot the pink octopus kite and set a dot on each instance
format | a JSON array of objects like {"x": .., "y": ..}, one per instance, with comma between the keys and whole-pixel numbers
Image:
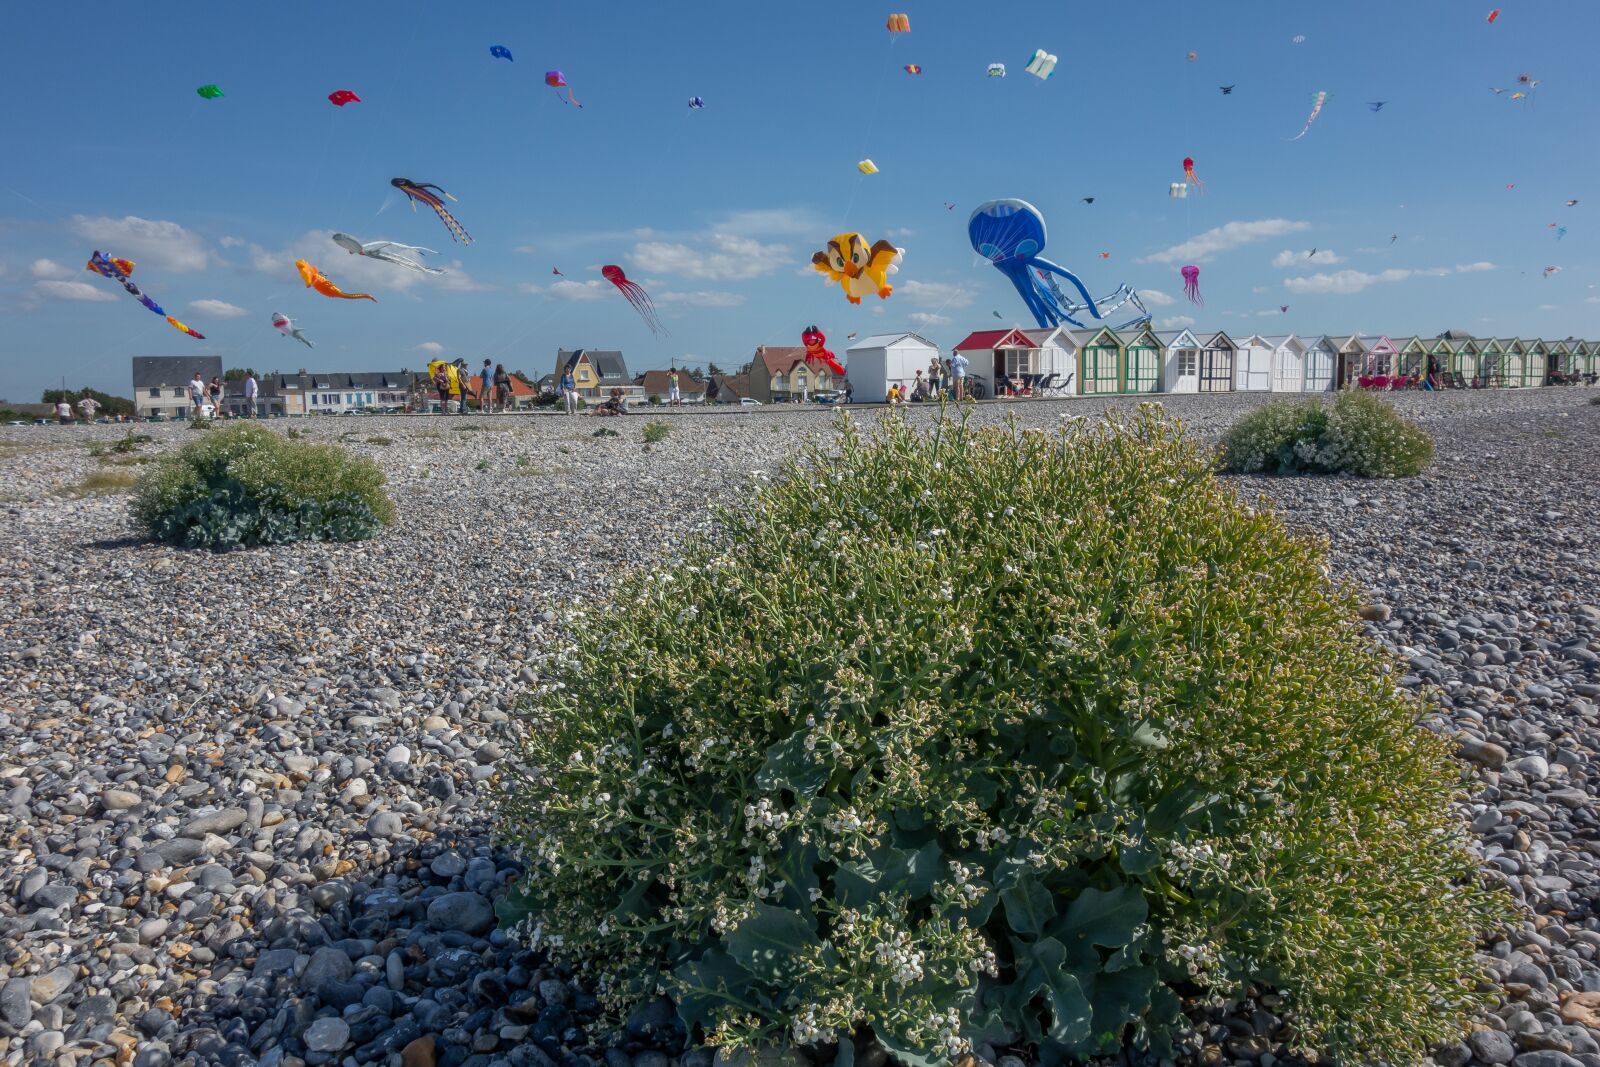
[
  {"x": 1189, "y": 175},
  {"x": 1191, "y": 285},
  {"x": 636, "y": 296}
]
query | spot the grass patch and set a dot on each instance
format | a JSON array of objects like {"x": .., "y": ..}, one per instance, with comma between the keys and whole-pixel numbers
[
  {"x": 106, "y": 482},
  {"x": 379, "y": 439},
  {"x": 656, "y": 431},
  {"x": 121, "y": 446},
  {"x": 482, "y": 465}
]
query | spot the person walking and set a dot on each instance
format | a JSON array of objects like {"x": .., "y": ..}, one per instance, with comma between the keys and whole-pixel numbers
[
  {"x": 674, "y": 397},
  {"x": 88, "y": 406},
  {"x": 214, "y": 395},
  {"x": 569, "y": 391},
  {"x": 958, "y": 375},
  {"x": 502, "y": 387},
  {"x": 251, "y": 390},
  {"x": 197, "y": 395},
  {"x": 485, "y": 389},
  {"x": 64, "y": 412}
]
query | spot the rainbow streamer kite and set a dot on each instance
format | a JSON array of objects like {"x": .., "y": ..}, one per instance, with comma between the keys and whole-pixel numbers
[
  {"x": 1316, "y": 109},
  {"x": 109, "y": 267}
]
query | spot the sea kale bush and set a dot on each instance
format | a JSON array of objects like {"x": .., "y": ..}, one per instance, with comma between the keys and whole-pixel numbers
[
  {"x": 979, "y": 735},
  {"x": 1358, "y": 434},
  {"x": 245, "y": 485}
]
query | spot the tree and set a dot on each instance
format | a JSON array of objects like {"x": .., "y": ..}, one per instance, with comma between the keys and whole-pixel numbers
[
  {"x": 237, "y": 374},
  {"x": 714, "y": 370},
  {"x": 109, "y": 405}
]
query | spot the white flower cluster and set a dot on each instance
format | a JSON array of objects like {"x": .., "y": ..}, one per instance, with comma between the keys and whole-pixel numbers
[
  {"x": 948, "y": 1028},
  {"x": 1186, "y": 858},
  {"x": 762, "y": 816},
  {"x": 807, "y": 1030},
  {"x": 843, "y": 821},
  {"x": 902, "y": 958}
]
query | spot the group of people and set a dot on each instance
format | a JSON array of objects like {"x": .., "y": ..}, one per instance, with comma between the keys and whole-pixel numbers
[
  {"x": 944, "y": 377},
  {"x": 453, "y": 382},
  {"x": 88, "y": 408}
]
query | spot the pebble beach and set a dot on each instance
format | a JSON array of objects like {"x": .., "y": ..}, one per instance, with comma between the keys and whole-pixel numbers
[{"x": 242, "y": 795}]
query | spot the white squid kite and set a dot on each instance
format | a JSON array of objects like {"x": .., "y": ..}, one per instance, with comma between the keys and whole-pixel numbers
[{"x": 388, "y": 252}]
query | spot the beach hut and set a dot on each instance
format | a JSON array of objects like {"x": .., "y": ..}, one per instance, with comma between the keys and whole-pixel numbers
[
  {"x": 1253, "y": 364},
  {"x": 1288, "y": 363},
  {"x": 1536, "y": 366},
  {"x": 994, "y": 356},
  {"x": 1351, "y": 363},
  {"x": 1322, "y": 358},
  {"x": 1590, "y": 363},
  {"x": 1217, "y": 359},
  {"x": 1441, "y": 359},
  {"x": 1057, "y": 361},
  {"x": 886, "y": 359},
  {"x": 1513, "y": 362},
  {"x": 1100, "y": 362},
  {"x": 1141, "y": 360},
  {"x": 1467, "y": 360},
  {"x": 1413, "y": 356},
  {"x": 1492, "y": 362},
  {"x": 1381, "y": 358},
  {"x": 1180, "y": 361}
]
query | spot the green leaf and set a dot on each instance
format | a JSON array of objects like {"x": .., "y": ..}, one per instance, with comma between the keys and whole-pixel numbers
[
  {"x": 1100, "y": 917},
  {"x": 712, "y": 980},
  {"x": 906, "y": 1053},
  {"x": 1029, "y": 906},
  {"x": 1118, "y": 1000},
  {"x": 515, "y": 906},
  {"x": 1042, "y": 970},
  {"x": 768, "y": 941},
  {"x": 790, "y": 766},
  {"x": 846, "y": 1056},
  {"x": 797, "y": 868}
]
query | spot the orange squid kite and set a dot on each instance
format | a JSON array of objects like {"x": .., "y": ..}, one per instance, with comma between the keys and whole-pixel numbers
[{"x": 314, "y": 280}]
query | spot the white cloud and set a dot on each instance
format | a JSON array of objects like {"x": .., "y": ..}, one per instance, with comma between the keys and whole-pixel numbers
[
  {"x": 771, "y": 222},
  {"x": 1155, "y": 297},
  {"x": 1228, "y": 236},
  {"x": 721, "y": 257},
  {"x": 900, "y": 231},
  {"x": 49, "y": 268},
  {"x": 1175, "y": 322},
  {"x": 1591, "y": 300},
  {"x": 924, "y": 318},
  {"x": 217, "y": 309},
  {"x": 566, "y": 289},
  {"x": 526, "y": 250},
  {"x": 1353, "y": 281},
  {"x": 1548, "y": 307},
  {"x": 1325, "y": 257},
  {"x": 82, "y": 291},
  {"x": 932, "y": 294},
  {"x": 231, "y": 242},
  {"x": 1258, "y": 288},
  {"x": 703, "y": 298},
  {"x": 153, "y": 242},
  {"x": 433, "y": 348}
]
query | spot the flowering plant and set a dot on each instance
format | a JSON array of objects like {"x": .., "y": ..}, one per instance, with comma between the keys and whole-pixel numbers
[
  {"x": 987, "y": 736},
  {"x": 1358, "y": 433}
]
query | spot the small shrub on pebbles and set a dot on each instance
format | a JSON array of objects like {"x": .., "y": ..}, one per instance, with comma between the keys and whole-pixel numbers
[
  {"x": 1357, "y": 434},
  {"x": 245, "y": 485},
  {"x": 980, "y": 735}
]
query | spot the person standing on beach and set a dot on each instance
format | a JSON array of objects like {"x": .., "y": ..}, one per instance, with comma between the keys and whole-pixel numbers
[
  {"x": 63, "y": 412},
  {"x": 485, "y": 387},
  {"x": 458, "y": 385},
  {"x": 88, "y": 406},
  {"x": 197, "y": 394},
  {"x": 439, "y": 374},
  {"x": 935, "y": 376},
  {"x": 569, "y": 391},
  {"x": 958, "y": 374},
  {"x": 674, "y": 397},
  {"x": 214, "y": 396},
  {"x": 502, "y": 387},
  {"x": 251, "y": 389}
]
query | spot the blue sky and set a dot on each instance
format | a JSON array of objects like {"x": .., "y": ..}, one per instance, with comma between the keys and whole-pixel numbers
[{"x": 716, "y": 212}]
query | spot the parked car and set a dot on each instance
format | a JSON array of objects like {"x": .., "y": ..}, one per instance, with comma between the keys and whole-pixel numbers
[
  {"x": 830, "y": 396},
  {"x": 749, "y": 402}
]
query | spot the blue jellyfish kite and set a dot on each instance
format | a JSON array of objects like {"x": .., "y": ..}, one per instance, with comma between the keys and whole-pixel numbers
[{"x": 1010, "y": 234}]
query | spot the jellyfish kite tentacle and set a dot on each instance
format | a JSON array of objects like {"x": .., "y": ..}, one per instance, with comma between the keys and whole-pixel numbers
[
  {"x": 635, "y": 295},
  {"x": 1046, "y": 265},
  {"x": 1191, "y": 285}
]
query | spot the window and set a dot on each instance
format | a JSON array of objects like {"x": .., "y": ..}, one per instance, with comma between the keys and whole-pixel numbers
[
  {"x": 155, "y": 393},
  {"x": 1018, "y": 361},
  {"x": 777, "y": 383},
  {"x": 1216, "y": 370},
  {"x": 1142, "y": 366},
  {"x": 178, "y": 392},
  {"x": 1188, "y": 363}
]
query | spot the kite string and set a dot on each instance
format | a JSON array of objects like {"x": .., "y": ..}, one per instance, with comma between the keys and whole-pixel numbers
[{"x": 872, "y": 124}]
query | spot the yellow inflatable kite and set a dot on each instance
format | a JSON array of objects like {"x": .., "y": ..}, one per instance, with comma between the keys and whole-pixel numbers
[{"x": 859, "y": 270}]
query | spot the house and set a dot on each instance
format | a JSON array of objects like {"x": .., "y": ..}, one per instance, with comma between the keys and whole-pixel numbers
[
  {"x": 779, "y": 373},
  {"x": 1180, "y": 361},
  {"x": 993, "y": 356},
  {"x": 596, "y": 372},
  {"x": 886, "y": 359},
  {"x": 522, "y": 394},
  {"x": 731, "y": 388},
  {"x": 1322, "y": 361},
  {"x": 161, "y": 383},
  {"x": 1099, "y": 361},
  {"x": 1252, "y": 368},
  {"x": 1288, "y": 362},
  {"x": 656, "y": 387},
  {"x": 334, "y": 393}
]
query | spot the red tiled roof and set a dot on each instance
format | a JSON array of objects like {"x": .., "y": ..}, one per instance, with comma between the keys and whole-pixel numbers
[
  {"x": 518, "y": 387},
  {"x": 780, "y": 359},
  {"x": 654, "y": 382},
  {"x": 984, "y": 339}
]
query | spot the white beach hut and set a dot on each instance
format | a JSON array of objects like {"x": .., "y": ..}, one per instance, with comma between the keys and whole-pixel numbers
[
  {"x": 1288, "y": 363},
  {"x": 885, "y": 359},
  {"x": 1180, "y": 361},
  {"x": 1252, "y": 365},
  {"x": 1058, "y": 355},
  {"x": 1322, "y": 356}
]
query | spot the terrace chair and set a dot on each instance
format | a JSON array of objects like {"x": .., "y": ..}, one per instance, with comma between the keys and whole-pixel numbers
[{"x": 1046, "y": 384}]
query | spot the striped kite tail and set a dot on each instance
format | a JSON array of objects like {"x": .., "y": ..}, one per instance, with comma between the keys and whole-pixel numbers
[{"x": 457, "y": 231}]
